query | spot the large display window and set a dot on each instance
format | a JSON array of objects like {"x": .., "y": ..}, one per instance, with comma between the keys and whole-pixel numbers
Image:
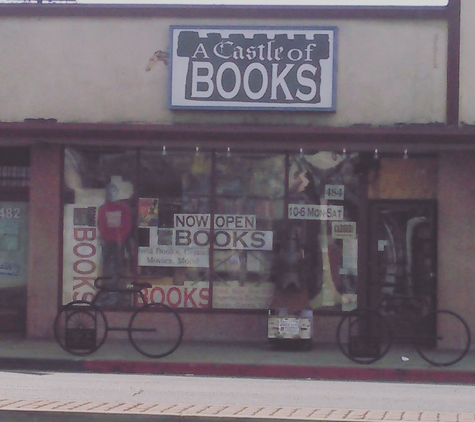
[
  {"x": 320, "y": 254},
  {"x": 174, "y": 224},
  {"x": 208, "y": 229},
  {"x": 249, "y": 204}
]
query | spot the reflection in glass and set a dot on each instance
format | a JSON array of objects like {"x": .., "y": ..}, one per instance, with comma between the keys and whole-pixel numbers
[{"x": 250, "y": 193}]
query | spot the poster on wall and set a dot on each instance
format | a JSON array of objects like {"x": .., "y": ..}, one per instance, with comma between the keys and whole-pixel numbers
[{"x": 253, "y": 68}]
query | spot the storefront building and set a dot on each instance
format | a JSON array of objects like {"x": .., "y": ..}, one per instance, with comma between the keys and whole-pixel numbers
[{"x": 239, "y": 159}]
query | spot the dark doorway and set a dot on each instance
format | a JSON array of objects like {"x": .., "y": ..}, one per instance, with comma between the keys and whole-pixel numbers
[{"x": 403, "y": 241}]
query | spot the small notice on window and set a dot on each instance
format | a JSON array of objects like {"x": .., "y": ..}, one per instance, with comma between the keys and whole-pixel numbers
[
  {"x": 335, "y": 192},
  {"x": 344, "y": 230}
]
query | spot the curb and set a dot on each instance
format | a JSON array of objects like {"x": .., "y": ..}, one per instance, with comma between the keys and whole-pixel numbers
[{"x": 334, "y": 373}]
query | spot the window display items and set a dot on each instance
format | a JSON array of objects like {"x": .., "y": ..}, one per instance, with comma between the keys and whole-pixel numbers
[
  {"x": 114, "y": 222},
  {"x": 213, "y": 230},
  {"x": 315, "y": 257},
  {"x": 148, "y": 212}
]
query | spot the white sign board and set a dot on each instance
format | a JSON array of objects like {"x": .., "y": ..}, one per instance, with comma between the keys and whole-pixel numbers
[
  {"x": 253, "y": 68},
  {"x": 315, "y": 212}
]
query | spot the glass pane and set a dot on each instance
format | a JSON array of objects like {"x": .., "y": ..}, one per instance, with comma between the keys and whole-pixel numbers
[
  {"x": 249, "y": 206},
  {"x": 99, "y": 221},
  {"x": 13, "y": 264},
  {"x": 174, "y": 227},
  {"x": 320, "y": 249}
]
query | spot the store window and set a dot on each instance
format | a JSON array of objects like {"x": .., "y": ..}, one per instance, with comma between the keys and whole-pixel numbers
[
  {"x": 100, "y": 231},
  {"x": 228, "y": 230},
  {"x": 250, "y": 192},
  {"x": 174, "y": 226},
  {"x": 319, "y": 245}
]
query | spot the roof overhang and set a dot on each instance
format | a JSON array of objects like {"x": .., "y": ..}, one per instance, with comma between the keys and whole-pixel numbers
[{"x": 424, "y": 138}]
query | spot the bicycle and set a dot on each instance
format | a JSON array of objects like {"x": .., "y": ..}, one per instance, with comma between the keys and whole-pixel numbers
[
  {"x": 154, "y": 329},
  {"x": 365, "y": 335}
]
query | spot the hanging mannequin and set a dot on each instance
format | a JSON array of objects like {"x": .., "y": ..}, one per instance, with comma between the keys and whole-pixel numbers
[{"x": 114, "y": 221}]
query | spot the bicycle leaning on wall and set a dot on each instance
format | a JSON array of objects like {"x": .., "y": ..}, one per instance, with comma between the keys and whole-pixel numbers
[
  {"x": 441, "y": 337},
  {"x": 154, "y": 329}
]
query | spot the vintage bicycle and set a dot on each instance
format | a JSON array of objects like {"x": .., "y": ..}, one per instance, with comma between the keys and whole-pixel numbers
[
  {"x": 154, "y": 329},
  {"x": 441, "y": 337}
]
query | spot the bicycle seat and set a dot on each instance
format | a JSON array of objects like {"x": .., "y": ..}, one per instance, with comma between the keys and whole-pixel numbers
[{"x": 104, "y": 283}]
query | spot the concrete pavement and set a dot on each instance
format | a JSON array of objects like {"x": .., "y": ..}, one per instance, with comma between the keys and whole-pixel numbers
[
  {"x": 255, "y": 359},
  {"x": 170, "y": 411},
  {"x": 229, "y": 359}
]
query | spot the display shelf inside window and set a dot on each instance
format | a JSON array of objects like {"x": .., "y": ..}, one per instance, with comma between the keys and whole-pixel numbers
[
  {"x": 196, "y": 186},
  {"x": 251, "y": 184},
  {"x": 14, "y": 177}
]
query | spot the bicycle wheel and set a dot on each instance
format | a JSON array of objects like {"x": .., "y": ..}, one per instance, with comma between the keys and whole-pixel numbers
[
  {"x": 442, "y": 338},
  {"x": 155, "y": 330},
  {"x": 80, "y": 328},
  {"x": 364, "y": 336}
]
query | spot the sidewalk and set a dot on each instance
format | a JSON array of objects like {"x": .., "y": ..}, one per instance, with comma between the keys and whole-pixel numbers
[
  {"x": 232, "y": 359},
  {"x": 223, "y": 359}
]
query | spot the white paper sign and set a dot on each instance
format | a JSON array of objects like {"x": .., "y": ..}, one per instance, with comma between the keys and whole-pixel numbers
[
  {"x": 335, "y": 192},
  {"x": 173, "y": 256},
  {"x": 344, "y": 230},
  {"x": 315, "y": 212}
]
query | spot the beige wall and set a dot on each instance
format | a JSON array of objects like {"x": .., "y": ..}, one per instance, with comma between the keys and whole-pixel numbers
[
  {"x": 456, "y": 226},
  {"x": 94, "y": 70},
  {"x": 467, "y": 63}
]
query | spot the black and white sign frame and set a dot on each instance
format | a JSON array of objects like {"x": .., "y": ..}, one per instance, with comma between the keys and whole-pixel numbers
[{"x": 253, "y": 68}]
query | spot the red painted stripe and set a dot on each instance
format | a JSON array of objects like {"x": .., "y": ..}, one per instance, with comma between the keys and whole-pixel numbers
[{"x": 280, "y": 371}]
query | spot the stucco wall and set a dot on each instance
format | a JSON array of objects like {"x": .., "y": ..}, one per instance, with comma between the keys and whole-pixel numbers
[
  {"x": 456, "y": 237},
  {"x": 94, "y": 70},
  {"x": 467, "y": 63}
]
